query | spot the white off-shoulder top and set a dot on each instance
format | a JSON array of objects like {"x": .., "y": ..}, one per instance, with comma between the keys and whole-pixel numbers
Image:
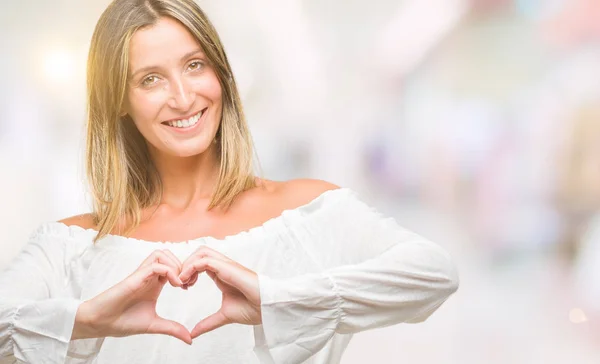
[{"x": 327, "y": 270}]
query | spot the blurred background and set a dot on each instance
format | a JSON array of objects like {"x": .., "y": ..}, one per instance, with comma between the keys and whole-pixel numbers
[{"x": 474, "y": 123}]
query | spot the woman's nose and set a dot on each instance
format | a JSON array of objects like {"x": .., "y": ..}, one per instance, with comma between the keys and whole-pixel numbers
[{"x": 182, "y": 96}]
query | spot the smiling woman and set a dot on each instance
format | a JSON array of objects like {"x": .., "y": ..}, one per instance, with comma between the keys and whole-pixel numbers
[
  {"x": 180, "y": 88},
  {"x": 153, "y": 65},
  {"x": 298, "y": 265}
]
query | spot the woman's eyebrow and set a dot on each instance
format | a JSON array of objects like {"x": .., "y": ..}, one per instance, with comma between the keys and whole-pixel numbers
[{"x": 149, "y": 68}]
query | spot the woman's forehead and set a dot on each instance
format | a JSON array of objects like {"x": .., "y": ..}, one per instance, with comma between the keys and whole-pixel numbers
[{"x": 166, "y": 40}]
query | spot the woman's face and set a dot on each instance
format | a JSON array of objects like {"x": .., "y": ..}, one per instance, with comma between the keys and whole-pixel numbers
[{"x": 174, "y": 95}]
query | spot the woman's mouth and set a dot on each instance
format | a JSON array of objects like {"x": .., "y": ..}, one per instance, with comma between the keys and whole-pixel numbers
[{"x": 186, "y": 124}]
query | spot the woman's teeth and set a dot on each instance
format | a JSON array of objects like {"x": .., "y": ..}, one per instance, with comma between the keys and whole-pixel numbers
[{"x": 186, "y": 123}]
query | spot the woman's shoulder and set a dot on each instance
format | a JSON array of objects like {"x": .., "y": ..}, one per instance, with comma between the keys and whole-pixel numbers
[
  {"x": 299, "y": 192},
  {"x": 291, "y": 200},
  {"x": 300, "y": 197},
  {"x": 74, "y": 229},
  {"x": 288, "y": 195},
  {"x": 307, "y": 196},
  {"x": 275, "y": 197},
  {"x": 84, "y": 221}
]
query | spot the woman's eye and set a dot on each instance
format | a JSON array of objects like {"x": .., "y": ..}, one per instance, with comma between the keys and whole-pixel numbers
[
  {"x": 196, "y": 65},
  {"x": 149, "y": 80}
]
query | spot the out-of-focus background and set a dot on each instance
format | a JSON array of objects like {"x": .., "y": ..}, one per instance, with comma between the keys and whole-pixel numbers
[{"x": 474, "y": 123}]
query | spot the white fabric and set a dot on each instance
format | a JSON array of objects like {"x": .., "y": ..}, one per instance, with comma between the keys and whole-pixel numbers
[{"x": 328, "y": 269}]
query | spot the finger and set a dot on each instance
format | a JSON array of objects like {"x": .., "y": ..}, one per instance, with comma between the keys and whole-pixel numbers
[
  {"x": 191, "y": 281},
  {"x": 162, "y": 270},
  {"x": 190, "y": 277},
  {"x": 171, "y": 328},
  {"x": 236, "y": 276},
  {"x": 198, "y": 265},
  {"x": 219, "y": 283},
  {"x": 210, "y": 323},
  {"x": 205, "y": 251},
  {"x": 160, "y": 256},
  {"x": 200, "y": 253},
  {"x": 225, "y": 272},
  {"x": 228, "y": 273},
  {"x": 153, "y": 257},
  {"x": 174, "y": 258},
  {"x": 212, "y": 253}
]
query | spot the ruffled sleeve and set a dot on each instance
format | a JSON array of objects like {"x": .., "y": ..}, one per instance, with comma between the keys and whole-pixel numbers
[
  {"x": 38, "y": 302},
  {"x": 374, "y": 273}
]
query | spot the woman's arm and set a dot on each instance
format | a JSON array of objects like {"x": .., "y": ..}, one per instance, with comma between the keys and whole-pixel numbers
[
  {"x": 40, "y": 309},
  {"x": 374, "y": 274},
  {"x": 37, "y": 311}
]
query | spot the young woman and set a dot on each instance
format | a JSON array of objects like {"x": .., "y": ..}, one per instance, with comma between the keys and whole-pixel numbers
[{"x": 258, "y": 271}]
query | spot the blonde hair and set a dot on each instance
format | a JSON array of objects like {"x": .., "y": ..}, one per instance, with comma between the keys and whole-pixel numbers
[{"x": 122, "y": 176}]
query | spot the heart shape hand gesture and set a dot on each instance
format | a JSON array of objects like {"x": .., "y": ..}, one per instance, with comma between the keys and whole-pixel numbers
[
  {"x": 129, "y": 307},
  {"x": 238, "y": 285}
]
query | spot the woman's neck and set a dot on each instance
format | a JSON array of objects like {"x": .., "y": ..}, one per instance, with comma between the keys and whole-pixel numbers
[{"x": 187, "y": 180}]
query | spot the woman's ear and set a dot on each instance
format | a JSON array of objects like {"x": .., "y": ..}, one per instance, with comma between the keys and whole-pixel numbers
[{"x": 124, "y": 109}]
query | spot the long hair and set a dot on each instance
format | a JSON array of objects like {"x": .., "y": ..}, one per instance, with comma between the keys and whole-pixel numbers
[{"x": 122, "y": 176}]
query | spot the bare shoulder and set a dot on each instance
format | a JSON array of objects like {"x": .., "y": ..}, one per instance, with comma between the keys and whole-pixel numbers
[
  {"x": 299, "y": 192},
  {"x": 85, "y": 221}
]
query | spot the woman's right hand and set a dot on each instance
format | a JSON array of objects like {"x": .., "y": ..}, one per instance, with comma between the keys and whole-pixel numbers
[{"x": 129, "y": 307}]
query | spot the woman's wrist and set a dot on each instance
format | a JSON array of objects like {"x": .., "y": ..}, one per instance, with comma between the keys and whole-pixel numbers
[{"x": 85, "y": 324}]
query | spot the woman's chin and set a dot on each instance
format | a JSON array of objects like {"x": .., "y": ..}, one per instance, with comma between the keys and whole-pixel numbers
[{"x": 183, "y": 151}]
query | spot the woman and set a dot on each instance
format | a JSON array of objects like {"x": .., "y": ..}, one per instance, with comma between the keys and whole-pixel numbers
[{"x": 293, "y": 268}]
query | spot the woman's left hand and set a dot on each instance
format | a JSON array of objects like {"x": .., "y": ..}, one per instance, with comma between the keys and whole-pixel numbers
[{"x": 238, "y": 284}]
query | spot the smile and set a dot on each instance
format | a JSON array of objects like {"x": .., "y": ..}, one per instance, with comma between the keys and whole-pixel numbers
[{"x": 185, "y": 123}]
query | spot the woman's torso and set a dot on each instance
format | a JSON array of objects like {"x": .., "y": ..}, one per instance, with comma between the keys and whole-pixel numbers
[{"x": 268, "y": 247}]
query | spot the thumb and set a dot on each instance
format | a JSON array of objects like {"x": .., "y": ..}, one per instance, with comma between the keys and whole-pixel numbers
[
  {"x": 210, "y": 323},
  {"x": 171, "y": 328}
]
